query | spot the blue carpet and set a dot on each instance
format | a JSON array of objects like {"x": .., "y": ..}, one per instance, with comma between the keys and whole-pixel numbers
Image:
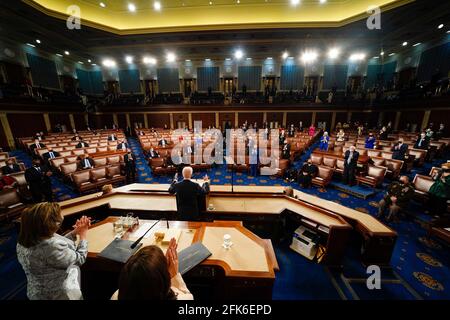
[
  {"x": 358, "y": 190},
  {"x": 421, "y": 264}
]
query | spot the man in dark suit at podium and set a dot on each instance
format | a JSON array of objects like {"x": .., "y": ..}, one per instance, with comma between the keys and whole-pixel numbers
[{"x": 187, "y": 193}]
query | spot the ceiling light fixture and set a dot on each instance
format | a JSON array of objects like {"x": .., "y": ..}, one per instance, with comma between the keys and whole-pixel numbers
[
  {"x": 102, "y": 4},
  {"x": 129, "y": 59},
  {"x": 31, "y": 45},
  {"x": 382, "y": 53},
  {"x": 333, "y": 53},
  {"x": 295, "y": 2},
  {"x": 309, "y": 56},
  {"x": 207, "y": 60},
  {"x": 157, "y": 5},
  {"x": 131, "y": 7},
  {"x": 149, "y": 60},
  {"x": 171, "y": 57},
  {"x": 109, "y": 63},
  {"x": 59, "y": 54},
  {"x": 238, "y": 54},
  {"x": 440, "y": 26},
  {"x": 89, "y": 61},
  {"x": 405, "y": 43},
  {"x": 285, "y": 55},
  {"x": 377, "y": 57},
  {"x": 417, "y": 44},
  {"x": 322, "y": 1},
  {"x": 38, "y": 41},
  {"x": 357, "y": 57},
  {"x": 66, "y": 53},
  {"x": 80, "y": 62},
  {"x": 391, "y": 54}
]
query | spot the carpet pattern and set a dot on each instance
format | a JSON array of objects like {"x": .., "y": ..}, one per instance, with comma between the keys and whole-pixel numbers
[{"x": 419, "y": 266}]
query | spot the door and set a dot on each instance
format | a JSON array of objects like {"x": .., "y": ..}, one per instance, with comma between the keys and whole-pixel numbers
[{"x": 188, "y": 87}]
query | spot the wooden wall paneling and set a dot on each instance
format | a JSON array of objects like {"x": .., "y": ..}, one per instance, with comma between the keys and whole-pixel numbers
[
  {"x": 26, "y": 124},
  {"x": 61, "y": 118},
  {"x": 136, "y": 118},
  {"x": 324, "y": 117},
  {"x": 207, "y": 119},
  {"x": 3, "y": 139},
  {"x": 79, "y": 120},
  {"x": 341, "y": 117},
  {"x": 296, "y": 117},
  {"x": 122, "y": 120},
  {"x": 99, "y": 121},
  {"x": 180, "y": 118},
  {"x": 251, "y": 117},
  {"x": 440, "y": 116},
  {"x": 158, "y": 120},
  {"x": 411, "y": 117}
]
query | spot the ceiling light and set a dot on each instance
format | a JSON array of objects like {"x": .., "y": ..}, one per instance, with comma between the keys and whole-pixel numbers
[
  {"x": 171, "y": 57},
  {"x": 405, "y": 43},
  {"x": 285, "y": 55},
  {"x": 377, "y": 57},
  {"x": 323, "y": 1},
  {"x": 382, "y": 53},
  {"x": 149, "y": 60},
  {"x": 333, "y": 53},
  {"x": 295, "y": 2},
  {"x": 80, "y": 62},
  {"x": 238, "y": 1},
  {"x": 227, "y": 59},
  {"x": 109, "y": 63},
  {"x": 440, "y": 26},
  {"x": 129, "y": 59},
  {"x": 417, "y": 44},
  {"x": 309, "y": 56},
  {"x": 157, "y": 5},
  {"x": 102, "y": 4},
  {"x": 207, "y": 60},
  {"x": 238, "y": 54},
  {"x": 249, "y": 58},
  {"x": 31, "y": 45},
  {"x": 357, "y": 57},
  {"x": 66, "y": 53},
  {"x": 269, "y": 58},
  {"x": 210, "y": 3},
  {"x": 59, "y": 54},
  {"x": 93, "y": 64},
  {"x": 391, "y": 54},
  {"x": 38, "y": 41},
  {"x": 131, "y": 7},
  {"x": 187, "y": 60},
  {"x": 89, "y": 60}
]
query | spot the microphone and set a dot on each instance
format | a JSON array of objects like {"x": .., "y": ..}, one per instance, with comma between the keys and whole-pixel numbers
[{"x": 142, "y": 237}]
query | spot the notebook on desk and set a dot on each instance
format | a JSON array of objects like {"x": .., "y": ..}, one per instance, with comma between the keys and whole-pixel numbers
[
  {"x": 192, "y": 256},
  {"x": 119, "y": 250}
]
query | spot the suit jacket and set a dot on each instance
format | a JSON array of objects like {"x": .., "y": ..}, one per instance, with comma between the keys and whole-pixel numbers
[
  {"x": 160, "y": 143},
  {"x": 46, "y": 155},
  {"x": 79, "y": 145},
  {"x": 398, "y": 153},
  {"x": 153, "y": 154},
  {"x": 310, "y": 169},
  {"x": 130, "y": 163},
  {"x": 353, "y": 161},
  {"x": 37, "y": 180},
  {"x": 81, "y": 164},
  {"x": 424, "y": 145},
  {"x": 187, "y": 193},
  {"x": 122, "y": 146},
  {"x": 112, "y": 138},
  {"x": 34, "y": 146},
  {"x": 7, "y": 170},
  {"x": 286, "y": 151}
]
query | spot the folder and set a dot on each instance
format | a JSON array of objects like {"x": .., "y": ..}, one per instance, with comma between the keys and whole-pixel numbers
[
  {"x": 192, "y": 256},
  {"x": 119, "y": 250}
]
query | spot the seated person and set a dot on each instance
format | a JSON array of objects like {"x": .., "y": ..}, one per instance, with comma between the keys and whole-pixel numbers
[
  {"x": 7, "y": 182},
  {"x": 149, "y": 275},
  {"x": 84, "y": 162},
  {"x": 76, "y": 138},
  {"x": 112, "y": 137},
  {"x": 422, "y": 142},
  {"x": 141, "y": 133},
  {"x": 306, "y": 173},
  {"x": 291, "y": 131},
  {"x": 324, "y": 141},
  {"x": 11, "y": 167},
  {"x": 398, "y": 196},
  {"x": 340, "y": 136},
  {"x": 122, "y": 146},
  {"x": 82, "y": 144},
  {"x": 370, "y": 141},
  {"x": 107, "y": 189},
  {"x": 440, "y": 192},
  {"x": 399, "y": 150},
  {"x": 153, "y": 153},
  {"x": 36, "y": 145},
  {"x": 51, "y": 262},
  {"x": 50, "y": 154},
  {"x": 38, "y": 136},
  {"x": 162, "y": 142}
]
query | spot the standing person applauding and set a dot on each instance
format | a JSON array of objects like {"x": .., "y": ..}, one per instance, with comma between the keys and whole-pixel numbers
[{"x": 51, "y": 262}]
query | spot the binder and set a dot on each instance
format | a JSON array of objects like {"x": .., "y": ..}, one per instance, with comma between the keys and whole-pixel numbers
[{"x": 119, "y": 250}]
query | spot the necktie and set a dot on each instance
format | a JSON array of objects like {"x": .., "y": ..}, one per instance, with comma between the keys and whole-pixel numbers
[
  {"x": 38, "y": 169},
  {"x": 38, "y": 146},
  {"x": 350, "y": 157},
  {"x": 87, "y": 164},
  {"x": 52, "y": 155}
]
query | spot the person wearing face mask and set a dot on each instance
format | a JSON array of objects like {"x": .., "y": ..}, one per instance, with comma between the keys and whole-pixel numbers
[
  {"x": 422, "y": 142},
  {"x": 370, "y": 141},
  {"x": 439, "y": 192},
  {"x": 11, "y": 167},
  {"x": 38, "y": 179},
  {"x": 324, "y": 141},
  {"x": 398, "y": 197},
  {"x": 36, "y": 145},
  {"x": 441, "y": 133},
  {"x": 50, "y": 155},
  {"x": 350, "y": 164},
  {"x": 399, "y": 150},
  {"x": 153, "y": 154},
  {"x": 130, "y": 166},
  {"x": 307, "y": 173}
]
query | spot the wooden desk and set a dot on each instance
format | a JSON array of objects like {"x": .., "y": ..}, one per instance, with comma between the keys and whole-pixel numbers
[
  {"x": 255, "y": 203},
  {"x": 245, "y": 270}
]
